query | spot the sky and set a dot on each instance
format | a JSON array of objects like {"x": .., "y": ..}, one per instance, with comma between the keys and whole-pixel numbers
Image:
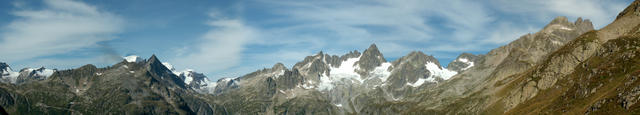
[{"x": 230, "y": 38}]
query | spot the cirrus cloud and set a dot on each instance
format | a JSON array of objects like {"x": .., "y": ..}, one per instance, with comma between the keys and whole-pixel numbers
[{"x": 61, "y": 26}]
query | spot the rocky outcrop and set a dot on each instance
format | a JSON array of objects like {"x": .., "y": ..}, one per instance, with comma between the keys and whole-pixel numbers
[
  {"x": 602, "y": 83},
  {"x": 370, "y": 59}
]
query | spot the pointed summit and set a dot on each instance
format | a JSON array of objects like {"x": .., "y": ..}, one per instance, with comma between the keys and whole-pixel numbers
[
  {"x": 153, "y": 58},
  {"x": 157, "y": 70},
  {"x": 154, "y": 63},
  {"x": 279, "y": 66},
  {"x": 372, "y": 47},
  {"x": 370, "y": 59},
  {"x": 560, "y": 20}
]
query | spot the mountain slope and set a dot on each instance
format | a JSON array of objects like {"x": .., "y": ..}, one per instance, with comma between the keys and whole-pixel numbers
[
  {"x": 565, "y": 68},
  {"x": 134, "y": 87},
  {"x": 602, "y": 82}
]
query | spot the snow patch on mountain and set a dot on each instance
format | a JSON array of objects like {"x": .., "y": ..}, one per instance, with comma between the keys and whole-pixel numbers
[
  {"x": 133, "y": 58},
  {"x": 465, "y": 60},
  {"x": 169, "y": 66},
  {"x": 421, "y": 81},
  {"x": 436, "y": 71},
  {"x": 382, "y": 71},
  {"x": 555, "y": 27},
  {"x": 346, "y": 71},
  {"x": 41, "y": 71},
  {"x": 307, "y": 85},
  {"x": 325, "y": 83},
  {"x": 9, "y": 75}
]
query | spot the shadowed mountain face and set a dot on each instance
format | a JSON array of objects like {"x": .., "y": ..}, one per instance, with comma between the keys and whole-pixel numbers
[{"x": 565, "y": 68}]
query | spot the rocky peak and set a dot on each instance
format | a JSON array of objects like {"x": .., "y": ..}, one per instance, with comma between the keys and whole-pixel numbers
[
  {"x": 154, "y": 63},
  {"x": 159, "y": 71},
  {"x": 133, "y": 59},
  {"x": 6, "y": 74},
  {"x": 463, "y": 62},
  {"x": 416, "y": 69},
  {"x": 279, "y": 66},
  {"x": 313, "y": 66},
  {"x": 416, "y": 58},
  {"x": 4, "y": 67},
  {"x": 34, "y": 74},
  {"x": 153, "y": 59},
  {"x": 370, "y": 59},
  {"x": 352, "y": 54},
  {"x": 336, "y": 61},
  {"x": 193, "y": 79},
  {"x": 563, "y": 25},
  {"x": 584, "y": 25}
]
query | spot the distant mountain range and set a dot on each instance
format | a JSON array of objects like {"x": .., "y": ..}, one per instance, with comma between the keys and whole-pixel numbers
[{"x": 565, "y": 68}]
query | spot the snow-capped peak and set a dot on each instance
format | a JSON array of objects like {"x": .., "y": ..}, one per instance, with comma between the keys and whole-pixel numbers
[
  {"x": 436, "y": 71},
  {"x": 347, "y": 71},
  {"x": 168, "y": 65},
  {"x": 41, "y": 71},
  {"x": 133, "y": 58},
  {"x": 465, "y": 60},
  {"x": 188, "y": 75}
]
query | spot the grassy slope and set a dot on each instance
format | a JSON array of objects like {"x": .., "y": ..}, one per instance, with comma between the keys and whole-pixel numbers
[{"x": 595, "y": 84}]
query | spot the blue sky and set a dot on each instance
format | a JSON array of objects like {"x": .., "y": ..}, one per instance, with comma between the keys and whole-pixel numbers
[{"x": 224, "y": 38}]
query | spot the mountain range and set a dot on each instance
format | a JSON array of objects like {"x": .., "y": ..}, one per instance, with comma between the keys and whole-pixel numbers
[{"x": 565, "y": 68}]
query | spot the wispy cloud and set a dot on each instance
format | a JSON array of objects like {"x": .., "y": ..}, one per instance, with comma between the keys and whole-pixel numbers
[
  {"x": 440, "y": 28},
  {"x": 220, "y": 48},
  {"x": 61, "y": 26},
  {"x": 391, "y": 24},
  {"x": 601, "y": 12}
]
